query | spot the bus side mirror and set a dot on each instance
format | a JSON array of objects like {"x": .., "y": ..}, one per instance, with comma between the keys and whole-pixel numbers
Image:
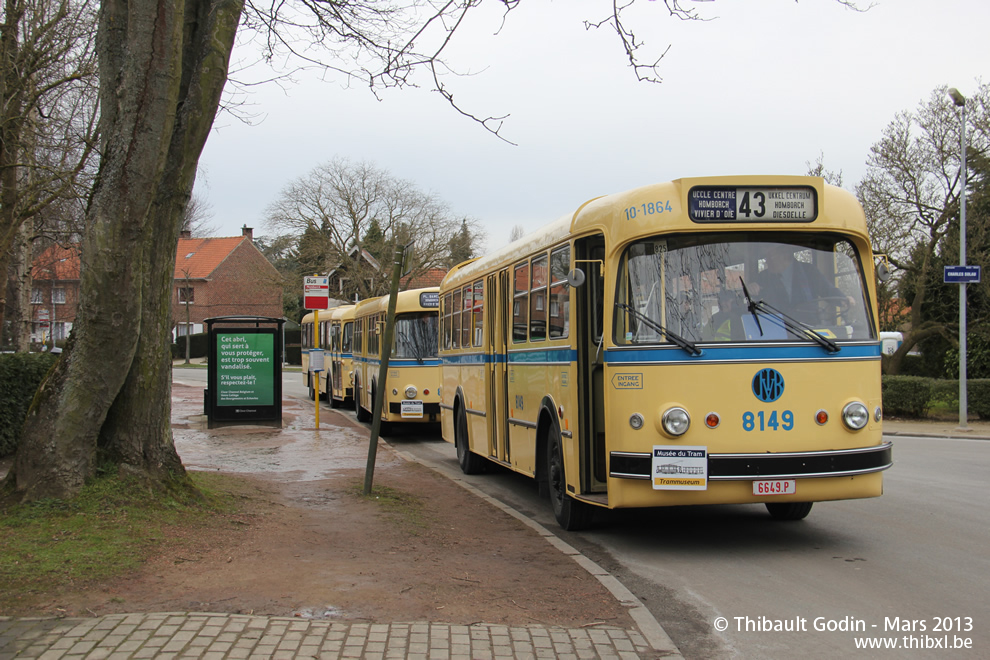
[
  {"x": 883, "y": 273},
  {"x": 576, "y": 277}
]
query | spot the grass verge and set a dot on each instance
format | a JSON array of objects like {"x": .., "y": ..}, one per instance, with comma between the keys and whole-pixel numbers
[{"x": 108, "y": 530}]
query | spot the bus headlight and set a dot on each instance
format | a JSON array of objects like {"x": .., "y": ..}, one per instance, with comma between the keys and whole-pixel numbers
[
  {"x": 675, "y": 421},
  {"x": 411, "y": 392},
  {"x": 855, "y": 415}
]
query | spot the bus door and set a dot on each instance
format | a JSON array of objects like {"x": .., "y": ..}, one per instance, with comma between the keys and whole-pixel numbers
[
  {"x": 499, "y": 298},
  {"x": 589, "y": 254}
]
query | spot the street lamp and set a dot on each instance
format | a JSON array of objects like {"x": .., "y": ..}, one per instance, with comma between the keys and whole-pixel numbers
[{"x": 960, "y": 102}]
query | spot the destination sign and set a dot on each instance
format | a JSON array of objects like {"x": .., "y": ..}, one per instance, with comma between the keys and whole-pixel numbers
[{"x": 752, "y": 204}]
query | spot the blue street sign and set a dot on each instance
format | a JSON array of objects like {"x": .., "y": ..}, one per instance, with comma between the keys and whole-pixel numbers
[{"x": 961, "y": 275}]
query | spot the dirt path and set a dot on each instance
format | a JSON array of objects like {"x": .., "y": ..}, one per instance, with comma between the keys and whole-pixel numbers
[{"x": 308, "y": 544}]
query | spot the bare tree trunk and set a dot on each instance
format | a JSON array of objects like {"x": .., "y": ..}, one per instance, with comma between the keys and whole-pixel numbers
[
  {"x": 19, "y": 293},
  {"x": 163, "y": 66}
]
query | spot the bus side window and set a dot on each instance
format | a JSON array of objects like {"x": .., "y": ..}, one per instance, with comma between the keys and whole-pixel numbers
[
  {"x": 520, "y": 303},
  {"x": 447, "y": 319},
  {"x": 538, "y": 301},
  {"x": 479, "y": 313},
  {"x": 466, "y": 320},
  {"x": 456, "y": 316},
  {"x": 560, "y": 263},
  {"x": 348, "y": 336}
]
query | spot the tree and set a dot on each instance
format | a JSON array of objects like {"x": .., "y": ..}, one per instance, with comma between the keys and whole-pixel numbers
[
  {"x": 461, "y": 246},
  {"x": 107, "y": 400},
  {"x": 48, "y": 116},
  {"x": 341, "y": 210},
  {"x": 911, "y": 197},
  {"x": 162, "y": 68}
]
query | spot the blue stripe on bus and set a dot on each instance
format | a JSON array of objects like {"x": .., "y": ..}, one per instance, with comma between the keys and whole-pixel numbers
[
  {"x": 736, "y": 353},
  {"x": 393, "y": 362},
  {"x": 555, "y": 355},
  {"x": 674, "y": 354}
]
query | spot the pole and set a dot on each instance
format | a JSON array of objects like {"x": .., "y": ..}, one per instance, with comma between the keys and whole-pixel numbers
[
  {"x": 960, "y": 101},
  {"x": 316, "y": 374},
  {"x": 386, "y": 352}
]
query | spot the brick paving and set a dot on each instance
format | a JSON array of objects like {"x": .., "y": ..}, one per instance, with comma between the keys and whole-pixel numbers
[{"x": 208, "y": 636}]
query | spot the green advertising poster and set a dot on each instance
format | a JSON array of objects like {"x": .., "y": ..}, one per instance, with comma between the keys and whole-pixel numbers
[{"x": 245, "y": 369}]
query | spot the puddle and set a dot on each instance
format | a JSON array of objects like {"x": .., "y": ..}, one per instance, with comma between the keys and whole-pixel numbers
[{"x": 295, "y": 453}]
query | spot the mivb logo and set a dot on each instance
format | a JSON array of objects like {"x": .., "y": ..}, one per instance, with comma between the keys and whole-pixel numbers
[{"x": 768, "y": 385}]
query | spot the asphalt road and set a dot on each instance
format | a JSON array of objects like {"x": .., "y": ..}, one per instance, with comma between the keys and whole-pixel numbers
[{"x": 911, "y": 567}]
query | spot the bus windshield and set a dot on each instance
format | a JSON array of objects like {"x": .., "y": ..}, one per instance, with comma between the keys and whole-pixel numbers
[
  {"x": 416, "y": 336},
  {"x": 741, "y": 287}
]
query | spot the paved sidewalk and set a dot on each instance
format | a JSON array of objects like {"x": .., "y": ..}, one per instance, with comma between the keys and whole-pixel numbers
[
  {"x": 976, "y": 429},
  {"x": 218, "y": 636}
]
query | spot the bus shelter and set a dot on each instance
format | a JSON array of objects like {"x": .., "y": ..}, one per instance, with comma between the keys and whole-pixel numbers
[{"x": 244, "y": 379}]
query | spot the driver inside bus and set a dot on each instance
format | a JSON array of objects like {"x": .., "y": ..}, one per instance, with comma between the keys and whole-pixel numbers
[{"x": 793, "y": 286}]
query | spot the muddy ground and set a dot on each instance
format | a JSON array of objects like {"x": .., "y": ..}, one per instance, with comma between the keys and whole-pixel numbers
[{"x": 308, "y": 544}]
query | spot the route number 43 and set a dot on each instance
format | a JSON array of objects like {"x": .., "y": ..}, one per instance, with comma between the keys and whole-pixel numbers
[{"x": 755, "y": 206}]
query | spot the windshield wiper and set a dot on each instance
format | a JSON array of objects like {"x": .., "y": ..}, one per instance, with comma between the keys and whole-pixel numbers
[
  {"x": 788, "y": 322},
  {"x": 688, "y": 346}
]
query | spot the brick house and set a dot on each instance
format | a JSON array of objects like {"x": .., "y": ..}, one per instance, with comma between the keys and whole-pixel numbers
[
  {"x": 216, "y": 276},
  {"x": 222, "y": 277},
  {"x": 54, "y": 293}
]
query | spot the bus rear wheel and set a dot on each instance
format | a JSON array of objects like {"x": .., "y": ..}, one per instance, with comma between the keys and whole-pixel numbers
[
  {"x": 571, "y": 514},
  {"x": 789, "y": 510},
  {"x": 470, "y": 462}
]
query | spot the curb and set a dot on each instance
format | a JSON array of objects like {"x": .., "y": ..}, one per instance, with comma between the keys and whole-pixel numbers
[
  {"x": 648, "y": 626},
  {"x": 939, "y": 436}
]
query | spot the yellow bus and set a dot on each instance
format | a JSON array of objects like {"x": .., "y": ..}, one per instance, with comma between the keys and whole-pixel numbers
[
  {"x": 414, "y": 369},
  {"x": 642, "y": 351},
  {"x": 340, "y": 391},
  {"x": 308, "y": 335}
]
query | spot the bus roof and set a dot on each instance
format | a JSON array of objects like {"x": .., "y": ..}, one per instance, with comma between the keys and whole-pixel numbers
[
  {"x": 410, "y": 300},
  {"x": 837, "y": 210}
]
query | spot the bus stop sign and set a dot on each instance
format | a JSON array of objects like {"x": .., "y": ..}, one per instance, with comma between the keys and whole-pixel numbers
[{"x": 316, "y": 292}]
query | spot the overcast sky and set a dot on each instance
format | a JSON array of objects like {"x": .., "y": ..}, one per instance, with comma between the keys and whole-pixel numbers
[{"x": 764, "y": 87}]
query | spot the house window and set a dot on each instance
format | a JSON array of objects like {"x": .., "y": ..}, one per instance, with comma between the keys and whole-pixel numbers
[
  {"x": 37, "y": 297},
  {"x": 58, "y": 296},
  {"x": 186, "y": 295},
  {"x": 183, "y": 329}
]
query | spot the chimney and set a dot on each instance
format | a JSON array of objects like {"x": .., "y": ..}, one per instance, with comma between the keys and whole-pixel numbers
[
  {"x": 247, "y": 232},
  {"x": 185, "y": 233}
]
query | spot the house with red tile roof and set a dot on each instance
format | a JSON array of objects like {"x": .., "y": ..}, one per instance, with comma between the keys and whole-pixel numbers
[
  {"x": 213, "y": 277},
  {"x": 222, "y": 277}
]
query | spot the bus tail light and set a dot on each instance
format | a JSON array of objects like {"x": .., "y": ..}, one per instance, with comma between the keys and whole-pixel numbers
[
  {"x": 712, "y": 420},
  {"x": 675, "y": 421},
  {"x": 821, "y": 418}
]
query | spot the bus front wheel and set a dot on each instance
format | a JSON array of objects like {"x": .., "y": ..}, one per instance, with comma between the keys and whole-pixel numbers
[
  {"x": 571, "y": 514},
  {"x": 470, "y": 462},
  {"x": 789, "y": 510}
]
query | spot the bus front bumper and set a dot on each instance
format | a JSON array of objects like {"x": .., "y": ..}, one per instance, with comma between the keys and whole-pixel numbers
[{"x": 758, "y": 466}]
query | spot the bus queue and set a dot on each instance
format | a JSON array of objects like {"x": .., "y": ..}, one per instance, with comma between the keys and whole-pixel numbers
[{"x": 701, "y": 341}]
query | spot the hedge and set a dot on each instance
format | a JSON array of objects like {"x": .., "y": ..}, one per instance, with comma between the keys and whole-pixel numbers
[
  {"x": 912, "y": 396},
  {"x": 20, "y": 375}
]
